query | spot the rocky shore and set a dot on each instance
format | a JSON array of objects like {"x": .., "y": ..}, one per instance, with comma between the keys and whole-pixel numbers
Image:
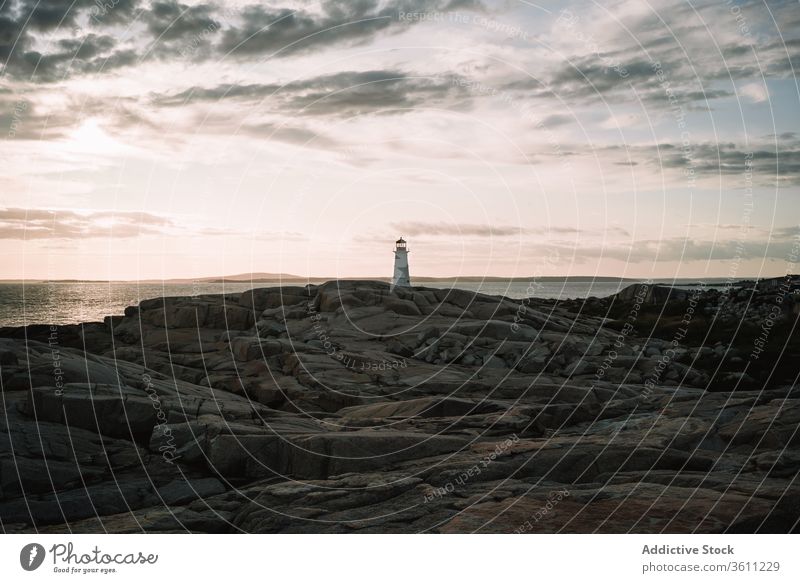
[{"x": 351, "y": 407}]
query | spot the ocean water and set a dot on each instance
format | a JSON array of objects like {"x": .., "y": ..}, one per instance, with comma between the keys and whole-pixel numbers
[{"x": 72, "y": 303}]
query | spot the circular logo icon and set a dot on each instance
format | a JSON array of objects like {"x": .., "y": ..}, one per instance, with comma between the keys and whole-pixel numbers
[{"x": 31, "y": 556}]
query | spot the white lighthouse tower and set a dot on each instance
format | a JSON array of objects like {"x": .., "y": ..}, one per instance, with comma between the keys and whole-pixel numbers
[{"x": 401, "y": 277}]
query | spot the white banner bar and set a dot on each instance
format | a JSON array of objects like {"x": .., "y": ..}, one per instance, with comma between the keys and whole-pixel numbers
[{"x": 389, "y": 558}]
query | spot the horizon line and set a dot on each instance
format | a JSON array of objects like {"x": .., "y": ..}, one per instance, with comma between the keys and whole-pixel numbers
[{"x": 279, "y": 278}]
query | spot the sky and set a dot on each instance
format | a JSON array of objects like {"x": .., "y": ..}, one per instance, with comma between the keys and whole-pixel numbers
[{"x": 162, "y": 139}]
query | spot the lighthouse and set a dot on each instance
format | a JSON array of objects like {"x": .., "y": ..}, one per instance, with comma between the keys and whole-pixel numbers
[{"x": 401, "y": 277}]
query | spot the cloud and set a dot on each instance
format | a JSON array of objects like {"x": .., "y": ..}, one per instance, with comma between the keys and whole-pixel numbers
[
  {"x": 591, "y": 76},
  {"x": 29, "y": 27},
  {"x": 19, "y": 223},
  {"x": 298, "y": 136},
  {"x": 38, "y": 224},
  {"x": 415, "y": 228},
  {"x": 557, "y": 119},
  {"x": 615, "y": 122},
  {"x": 25, "y": 117},
  {"x": 343, "y": 94},
  {"x": 283, "y": 31},
  {"x": 171, "y": 20},
  {"x": 767, "y": 162},
  {"x": 781, "y": 246},
  {"x": 726, "y": 227},
  {"x": 89, "y": 53},
  {"x": 48, "y": 15},
  {"x": 771, "y": 164},
  {"x": 754, "y": 92},
  {"x": 432, "y": 229},
  {"x": 169, "y": 30},
  {"x": 704, "y": 49}
]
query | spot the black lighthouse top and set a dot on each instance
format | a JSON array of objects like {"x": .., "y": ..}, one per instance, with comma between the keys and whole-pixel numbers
[{"x": 400, "y": 243}]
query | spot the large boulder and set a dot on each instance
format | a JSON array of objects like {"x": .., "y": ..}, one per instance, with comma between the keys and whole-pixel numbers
[
  {"x": 120, "y": 415},
  {"x": 261, "y": 299}
]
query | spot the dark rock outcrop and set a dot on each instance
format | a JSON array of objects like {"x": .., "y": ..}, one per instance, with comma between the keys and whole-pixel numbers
[{"x": 351, "y": 407}]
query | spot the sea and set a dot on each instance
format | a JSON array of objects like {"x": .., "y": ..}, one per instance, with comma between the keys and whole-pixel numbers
[{"x": 75, "y": 302}]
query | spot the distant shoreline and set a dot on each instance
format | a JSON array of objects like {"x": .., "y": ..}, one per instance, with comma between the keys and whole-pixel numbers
[{"x": 293, "y": 280}]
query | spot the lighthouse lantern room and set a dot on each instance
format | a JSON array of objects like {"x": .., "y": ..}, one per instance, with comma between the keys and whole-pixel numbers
[{"x": 401, "y": 277}]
